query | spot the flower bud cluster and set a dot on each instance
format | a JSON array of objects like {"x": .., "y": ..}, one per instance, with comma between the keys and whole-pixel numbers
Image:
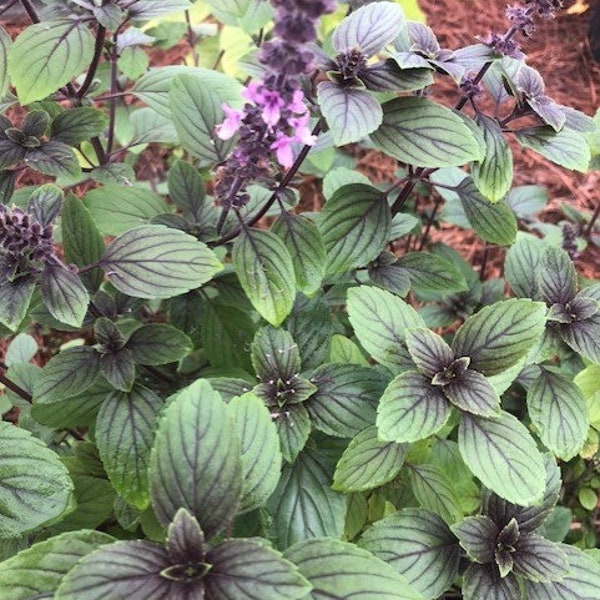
[{"x": 275, "y": 115}]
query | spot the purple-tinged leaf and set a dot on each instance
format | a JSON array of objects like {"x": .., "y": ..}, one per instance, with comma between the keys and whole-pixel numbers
[
  {"x": 498, "y": 336},
  {"x": 350, "y": 113},
  {"x": 303, "y": 505},
  {"x": 45, "y": 203},
  {"x": 275, "y": 355},
  {"x": 530, "y": 82},
  {"x": 126, "y": 571},
  {"x": 484, "y": 581},
  {"x": 549, "y": 111},
  {"x": 54, "y": 158},
  {"x": 477, "y": 535},
  {"x": 390, "y": 277},
  {"x": 387, "y": 76},
  {"x": 419, "y": 546},
  {"x": 78, "y": 124},
  {"x": 420, "y": 132},
  {"x": 537, "y": 559},
  {"x": 557, "y": 277},
  {"x": 153, "y": 261},
  {"x": 582, "y": 582},
  {"x": 584, "y": 337},
  {"x": 368, "y": 462},
  {"x": 473, "y": 393},
  {"x": 157, "y": 344},
  {"x": 119, "y": 369},
  {"x": 64, "y": 295},
  {"x": 428, "y": 350},
  {"x": 369, "y": 29},
  {"x": 411, "y": 409},
  {"x": 423, "y": 39},
  {"x": 15, "y": 297},
  {"x": 578, "y": 121},
  {"x": 196, "y": 462},
  {"x": 522, "y": 260},
  {"x": 185, "y": 540},
  {"x": 293, "y": 428},
  {"x": 250, "y": 569},
  {"x": 558, "y": 410},
  {"x": 10, "y": 153},
  {"x": 504, "y": 456},
  {"x": 340, "y": 570}
]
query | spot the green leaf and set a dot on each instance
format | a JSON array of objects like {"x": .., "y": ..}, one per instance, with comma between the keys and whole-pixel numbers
[
  {"x": 133, "y": 62},
  {"x": 368, "y": 462},
  {"x": 558, "y": 410},
  {"x": 430, "y": 272},
  {"x": 523, "y": 259},
  {"x": 351, "y": 113},
  {"x": 186, "y": 187},
  {"x": 67, "y": 374},
  {"x": 303, "y": 505},
  {"x": 146, "y": 9},
  {"x": 5, "y": 43},
  {"x": 124, "y": 434},
  {"x": 557, "y": 277},
  {"x": 22, "y": 349},
  {"x": 54, "y": 158},
  {"x": 196, "y": 111},
  {"x": 484, "y": 581},
  {"x": 37, "y": 571},
  {"x": 380, "y": 320},
  {"x": 118, "y": 208},
  {"x": 582, "y": 582},
  {"x": 422, "y": 133},
  {"x": 435, "y": 492},
  {"x": 64, "y": 295},
  {"x": 266, "y": 272},
  {"x": 494, "y": 174},
  {"x": 355, "y": 225},
  {"x": 344, "y": 350},
  {"x": 48, "y": 55},
  {"x": 419, "y": 546},
  {"x": 345, "y": 400},
  {"x": 15, "y": 297},
  {"x": 82, "y": 242},
  {"x": 158, "y": 344},
  {"x": 538, "y": 559},
  {"x": 34, "y": 485},
  {"x": 293, "y": 428},
  {"x": 566, "y": 147},
  {"x": 249, "y": 569},
  {"x": 305, "y": 245},
  {"x": 153, "y": 261},
  {"x": 499, "y": 335},
  {"x": 339, "y": 570},
  {"x": 119, "y": 369},
  {"x": 502, "y": 454},
  {"x": 494, "y": 223},
  {"x": 340, "y": 176},
  {"x": 124, "y": 571},
  {"x": 411, "y": 409},
  {"x": 78, "y": 124},
  {"x": 261, "y": 455},
  {"x": 196, "y": 462}
]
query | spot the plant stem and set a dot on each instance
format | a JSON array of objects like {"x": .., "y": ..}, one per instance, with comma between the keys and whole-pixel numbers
[
  {"x": 31, "y": 12},
  {"x": 99, "y": 46},
  {"x": 112, "y": 110},
  {"x": 484, "y": 260},
  {"x": 13, "y": 387},
  {"x": 590, "y": 227},
  {"x": 191, "y": 38},
  {"x": 428, "y": 226}
]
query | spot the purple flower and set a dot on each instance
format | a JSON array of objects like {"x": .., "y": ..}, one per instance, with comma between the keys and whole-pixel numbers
[
  {"x": 283, "y": 148},
  {"x": 229, "y": 127}
]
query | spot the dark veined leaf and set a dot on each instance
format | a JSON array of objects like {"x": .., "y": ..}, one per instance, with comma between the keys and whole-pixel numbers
[
  {"x": 355, "y": 224},
  {"x": 494, "y": 174},
  {"x": 345, "y": 400},
  {"x": 185, "y": 541},
  {"x": 15, "y": 297},
  {"x": 380, "y": 320},
  {"x": 305, "y": 245},
  {"x": 477, "y": 535},
  {"x": 37, "y": 571},
  {"x": 584, "y": 336},
  {"x": 118, "y": 369},
  {"x": 293, "y": 428},
  {"x": 494, "y": 223},
  {"x": 472, "y": 392},
  {"x": 78, "y": 124},
  {"x": 502, "y": 454},
  {"x": 435, "y": 492},
  {"x": 420, "y": 132},
  {"x": 157, "y": 344},
  {"x": 186, "y": 187},
  {"x": 125, "y": 571},
  {"x": 146, "y": 10},
  {"x": 428, "y": 350},
  {"x": 558, "y": 410},
  {"x": 82, "y": 242},
  {"x": 196, "y": 111},
  {"x": 64, "y": 294},
  {"x": 45, "y": 203},
  {"x": 250, "y": 569},
  {"x": 153, "y": 261},
  {"x": 266, "y": 272},
  {"x": 539, "y": 559},
  {"x": 484, "y": 581},
  {"x": 430, "y": 272},
  {"x": 582, "y": 582},
  {"x": 125, "y": 429},
  {"x": 303, "y": 505},
  {"x": 275, "y": 354},
  {"x": 350, "y": 113},
  {"x": 566, "y": 147},
  {"x": 46, "y": 56},
  {"x": 35, "y": 486},
  {"x": 368, "y": 462},
  {"x": 522, "y": 260},
  {"x": 5, "y": 43},
  {"x": 261, "y": 455},
  {"x": 196, "y": 462},
  {"x": 411, "y": 409},
  {"x": 499, "y": 335},
  {"x": 339, "y": 570},
  {"x": 557, "y": 277},
  {"x": 368, "y": 29},
  {"x": 418, "y": 545},
  {"x": 54, "y": 158}
]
